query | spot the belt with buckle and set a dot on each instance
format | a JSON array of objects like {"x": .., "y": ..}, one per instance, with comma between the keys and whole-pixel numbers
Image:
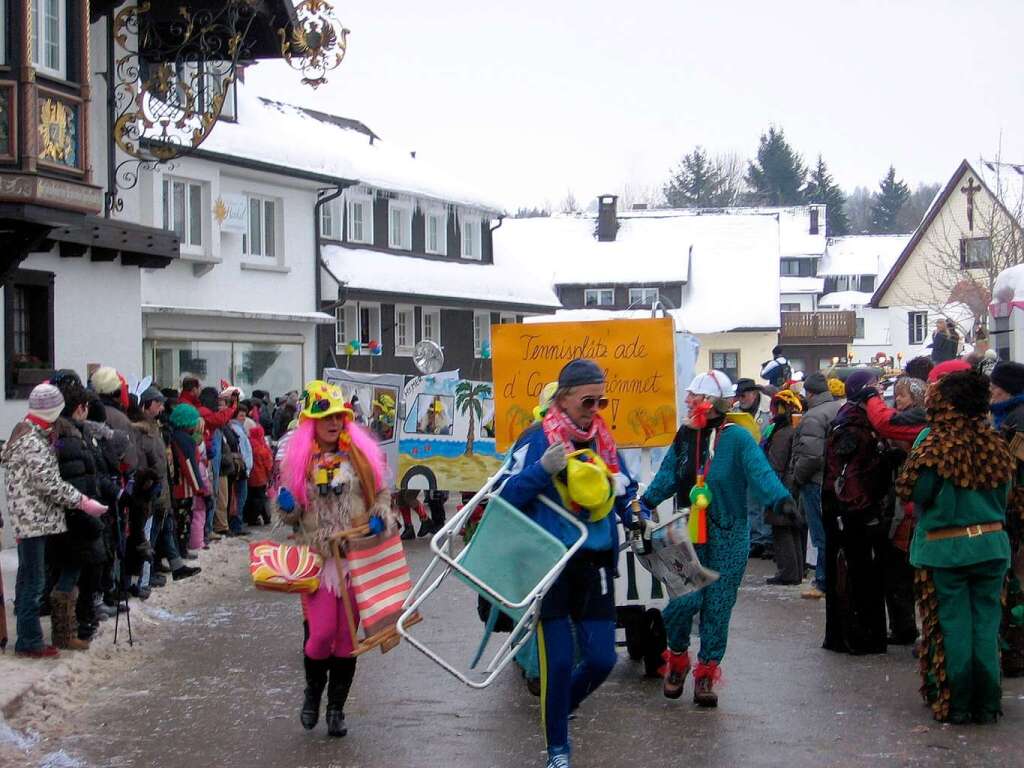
[{"x": 970, "y": 531}]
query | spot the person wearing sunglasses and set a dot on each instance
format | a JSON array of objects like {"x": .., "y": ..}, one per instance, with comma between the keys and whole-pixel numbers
[
  {"x": 712, "y": 451},
  {"x": 581, "y": 603}
]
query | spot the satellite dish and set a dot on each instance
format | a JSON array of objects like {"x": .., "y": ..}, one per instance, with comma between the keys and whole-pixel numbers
[{"x": 428, "y": 357}]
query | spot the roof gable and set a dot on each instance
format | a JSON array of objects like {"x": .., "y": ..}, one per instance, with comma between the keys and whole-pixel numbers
[{"x": 939, "y": 204}]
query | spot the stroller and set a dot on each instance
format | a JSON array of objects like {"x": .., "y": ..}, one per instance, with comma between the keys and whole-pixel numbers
[{"x": 510, "y": 562}]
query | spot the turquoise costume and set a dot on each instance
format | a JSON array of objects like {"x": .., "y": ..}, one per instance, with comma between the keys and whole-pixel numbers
[{"x": 738, "y": 465}]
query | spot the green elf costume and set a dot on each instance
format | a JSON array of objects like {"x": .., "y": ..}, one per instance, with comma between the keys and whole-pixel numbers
[{"x": 959, "y": 476}]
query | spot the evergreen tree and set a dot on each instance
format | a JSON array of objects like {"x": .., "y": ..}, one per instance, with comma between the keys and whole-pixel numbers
[
  {"x": 822, "y": 189},
  {"x": 700, "y": 182},
  {"x": 777, "y": 176},
  {"x": 892, "y": 196}
]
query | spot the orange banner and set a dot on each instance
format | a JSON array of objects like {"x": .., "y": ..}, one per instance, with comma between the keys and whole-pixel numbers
[{"x": 638, "y": 357}]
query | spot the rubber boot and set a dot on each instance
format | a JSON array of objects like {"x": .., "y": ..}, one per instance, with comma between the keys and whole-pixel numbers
[
  {"x": 316, "y": 681},
  {"x": 342, "y": 672},
  {"x": 63, "y": 623},
  {"x": 704, "y": 678}
]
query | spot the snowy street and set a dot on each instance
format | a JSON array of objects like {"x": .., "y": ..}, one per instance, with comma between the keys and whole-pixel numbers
[{"x": 220, "y": 682}]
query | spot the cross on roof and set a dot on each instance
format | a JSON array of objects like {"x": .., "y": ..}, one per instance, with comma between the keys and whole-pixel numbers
[{"x": 970, "y": 190}]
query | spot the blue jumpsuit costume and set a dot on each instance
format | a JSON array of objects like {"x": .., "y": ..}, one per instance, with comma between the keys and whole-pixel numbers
[
  {"x": 738, "y": 465},
  {"x": 582, "y": 598}
]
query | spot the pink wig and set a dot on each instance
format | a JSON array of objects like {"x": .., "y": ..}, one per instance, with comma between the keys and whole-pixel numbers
[{"x": 302, "y": 445}]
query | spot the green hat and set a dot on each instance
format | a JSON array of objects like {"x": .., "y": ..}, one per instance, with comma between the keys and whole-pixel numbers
[{"x": 184, "y": 416}]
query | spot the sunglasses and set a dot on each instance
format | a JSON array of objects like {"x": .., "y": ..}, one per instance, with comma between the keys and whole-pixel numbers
[{"x": 594, "y": 402}]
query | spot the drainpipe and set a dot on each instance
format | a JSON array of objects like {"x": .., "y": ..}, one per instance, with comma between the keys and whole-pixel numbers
[{"x": 322, "y": 199}]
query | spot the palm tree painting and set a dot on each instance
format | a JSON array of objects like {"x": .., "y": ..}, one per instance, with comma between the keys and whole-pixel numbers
[{"x": 468, "y": 397}]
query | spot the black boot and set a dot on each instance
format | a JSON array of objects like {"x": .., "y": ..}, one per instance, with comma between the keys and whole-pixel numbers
[
  {"x": 342, "y": 672},
  {"x": 316, "y": 681}
]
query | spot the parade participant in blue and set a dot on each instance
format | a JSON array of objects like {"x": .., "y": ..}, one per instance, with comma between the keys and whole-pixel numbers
[
  {"x": 712, "y": 464},
  {"x": 546, "y": 462}
]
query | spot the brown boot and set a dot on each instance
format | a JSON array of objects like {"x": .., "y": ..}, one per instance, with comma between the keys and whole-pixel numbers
[
  {"x": 704, "y": 678},
  {"x": 63, "y": 622}
]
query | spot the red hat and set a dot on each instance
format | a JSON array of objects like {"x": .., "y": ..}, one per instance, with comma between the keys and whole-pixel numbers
[{"x": 950, "y": 366}]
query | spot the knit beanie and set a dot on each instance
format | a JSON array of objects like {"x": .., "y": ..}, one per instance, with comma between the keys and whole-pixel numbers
[
  {"x": 184, "y": 416},
  {"x": 45, "y": 403},
  {"x": 1009, "y": 377},
  {"x": 105, "y": 380},
  {"x": 150, "y": 395},
  {"x": 579, "y": 372},
  {"x": 816, "y": 384},
  {"x": 858, "y": 380}
]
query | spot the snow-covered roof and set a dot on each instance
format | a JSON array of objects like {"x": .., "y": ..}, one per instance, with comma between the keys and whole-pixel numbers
[
  {"x": 790, "y": 284},
  {"x": 845, "y": 299},
  {"x": 504, "y": 282},
  {"x": 862, "y": 254},
  {"x": 729, "y": 263},
  {"x": 563, "y": 249},
  {"x": 591, "y": 315},
  {"x": 293, "y": 137}
]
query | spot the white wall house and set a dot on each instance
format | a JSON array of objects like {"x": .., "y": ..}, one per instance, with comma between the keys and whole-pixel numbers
[{"x": 953, "y": 242}]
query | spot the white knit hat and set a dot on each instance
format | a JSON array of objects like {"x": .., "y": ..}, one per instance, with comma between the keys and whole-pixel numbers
[
  {"x": 105, "y": 380},
  {"x": 45, "y": 402}
]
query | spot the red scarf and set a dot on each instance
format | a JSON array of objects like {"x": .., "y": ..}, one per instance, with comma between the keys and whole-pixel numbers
[{"x": 558, "y": 426}]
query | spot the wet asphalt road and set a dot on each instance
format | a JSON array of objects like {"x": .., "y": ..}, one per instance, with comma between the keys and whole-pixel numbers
[{"x": 223, "y": 686}]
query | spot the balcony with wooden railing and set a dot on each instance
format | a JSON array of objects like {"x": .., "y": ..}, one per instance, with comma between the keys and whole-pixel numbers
[{"x": 817, "y": 327}]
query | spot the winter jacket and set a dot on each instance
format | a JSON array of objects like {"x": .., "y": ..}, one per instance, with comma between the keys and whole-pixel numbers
[
  {"x": 244, "y": 446},
  {"x": 902, "y": 426},
  {"x": 808, "y": 458},
  {"x": 80, "y": 462},
  {"x": 526, "y": 480},
  {"x": 1008, "y": 416},
  {"x": 944, "y": 347},
  {"x": 857, "y": 471},
  {"x": 118, "y": 421},
  {"x": 211, "y": 420},
  {"x": 262, "y": 459},
  {"x": 36, "y": 494},
  {"x": 153, "y": 455},
  {"x": 762, "y": 411},
  {"x": 778, "y": 447}
]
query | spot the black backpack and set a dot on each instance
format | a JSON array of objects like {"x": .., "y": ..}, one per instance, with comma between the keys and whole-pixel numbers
[{"x": 857, "y": 470}]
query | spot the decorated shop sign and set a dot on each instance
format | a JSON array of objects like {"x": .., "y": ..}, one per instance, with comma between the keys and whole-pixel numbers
[{"x": 231, "y": 213}]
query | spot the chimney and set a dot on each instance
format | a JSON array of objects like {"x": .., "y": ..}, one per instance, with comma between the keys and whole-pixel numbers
[{"x": 607, "y": 222}]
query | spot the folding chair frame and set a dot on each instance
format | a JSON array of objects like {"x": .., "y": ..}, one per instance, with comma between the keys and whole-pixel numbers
[{"x": 441, "y": 545}]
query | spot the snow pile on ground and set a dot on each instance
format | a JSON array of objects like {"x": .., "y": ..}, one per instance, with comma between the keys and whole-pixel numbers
[{"x": 41, "y": 716}]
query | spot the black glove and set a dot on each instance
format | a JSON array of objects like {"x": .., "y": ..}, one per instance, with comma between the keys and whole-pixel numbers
[
  {"x": 786, "y": 507},
  {"x": 863, "y": 396}
]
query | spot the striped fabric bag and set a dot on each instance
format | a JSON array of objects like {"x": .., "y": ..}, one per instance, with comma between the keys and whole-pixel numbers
[{"x": 380, "y": 580}]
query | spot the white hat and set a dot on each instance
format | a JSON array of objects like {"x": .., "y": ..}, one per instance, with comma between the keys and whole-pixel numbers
[{"x": 712, "y": 384}]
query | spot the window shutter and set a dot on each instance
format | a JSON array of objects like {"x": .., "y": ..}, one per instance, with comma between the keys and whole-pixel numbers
[
  {"x": 963, "y": 253},
  {"x": 910, "y": 327}
]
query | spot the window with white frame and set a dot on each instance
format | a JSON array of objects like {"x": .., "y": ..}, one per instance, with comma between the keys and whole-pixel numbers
[
  {"x": 859, "y": 331},
  {"x": 508, "y": 318},
  {"x": 917, "y": 327},
  {"x": 431, "y": 325},
  {"x": 598, "y": 297},
  {"x": 435, "y": 230},
  {"x": 399, "y": 225},
  {"x": 728, "y": 362},
  {"x": 643, "y": 297},
  {"x": 183, "y": 212},
  {"x": 789, "y": 306},
  {"x": 470, "y": 237},
  {"x": 49, "y": 37},
  {"x": 481, "y": 332},
  {"x": 261, "y": 239},
  {"x": 360, "y": 218},
  {"x": 346, "y": 328},
  {"x": 330, "y": 220},
  {"x": 369, "y": 326},
  {"x": 405, "y": 330}
]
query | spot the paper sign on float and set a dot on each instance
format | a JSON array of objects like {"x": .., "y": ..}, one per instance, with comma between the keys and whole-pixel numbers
[{"x": 638, "y": 357}]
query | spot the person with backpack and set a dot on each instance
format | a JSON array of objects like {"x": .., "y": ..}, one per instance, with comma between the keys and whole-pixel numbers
[
  {"x": 959, "y": 476},
  {"x": 856, "y": 484},
  {"x": 712, "y": 456}
]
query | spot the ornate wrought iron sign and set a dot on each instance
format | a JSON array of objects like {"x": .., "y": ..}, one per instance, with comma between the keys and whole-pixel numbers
[{"x": 317, "y": 44}]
